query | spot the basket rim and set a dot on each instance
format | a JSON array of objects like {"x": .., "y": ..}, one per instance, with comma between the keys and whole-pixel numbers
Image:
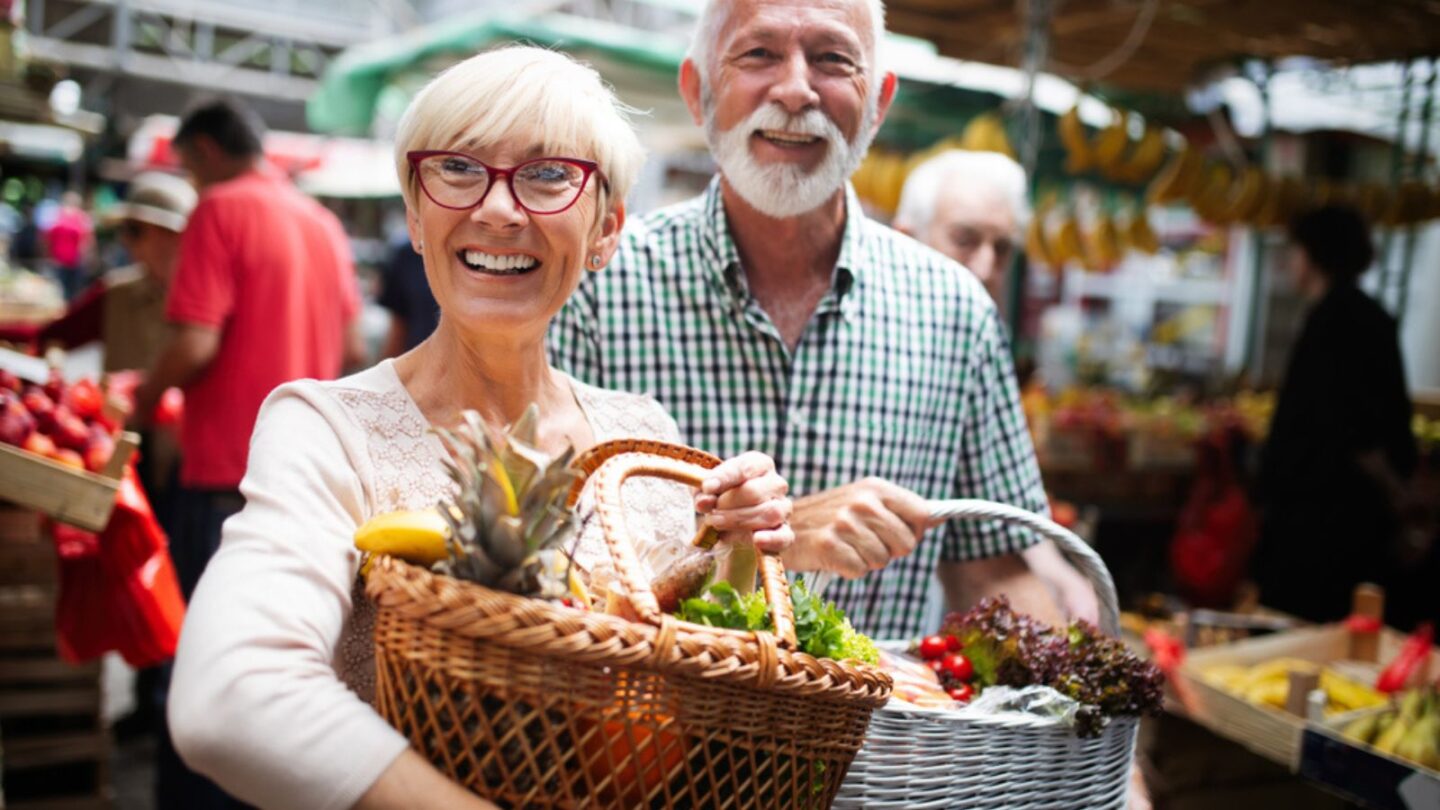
[{"x": 473, "y": 611}]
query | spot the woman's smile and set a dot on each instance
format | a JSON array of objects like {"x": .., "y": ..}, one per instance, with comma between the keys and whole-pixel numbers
[{"x": 490, "y": 263}]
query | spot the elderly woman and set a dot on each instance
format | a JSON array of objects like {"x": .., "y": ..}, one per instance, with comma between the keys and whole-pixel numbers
[{"x": 515, "y": 166}]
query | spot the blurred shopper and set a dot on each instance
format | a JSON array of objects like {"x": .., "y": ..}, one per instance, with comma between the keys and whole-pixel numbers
[
  {"x": 264, "y": 293},
  {"x": 125, "y": 309},
  {"x": 405, "y": 294},
  {"x": 68, "y": 241},
  {"x": 1340, "y": 449},
  {"x": 972, "y": 207}
]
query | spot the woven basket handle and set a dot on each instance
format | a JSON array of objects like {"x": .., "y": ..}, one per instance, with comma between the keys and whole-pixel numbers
[
  {"x": 612, "y": 463},
  {"x": 1076, "y": 550}
]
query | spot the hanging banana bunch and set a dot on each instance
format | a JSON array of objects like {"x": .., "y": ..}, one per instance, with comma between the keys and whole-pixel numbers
[
  {"x": 1109, "y": 146},
  {"x": 1140, "y": 234},
  {"x": 986, "y": 133},
  {"x": 1103, "y": 246},
  {"x": 1179, "y": 179},
  {"x": 1078, "y": 158},
  {"x": 1144, "y": 158},
  {"x": 1067, "y": 247}
]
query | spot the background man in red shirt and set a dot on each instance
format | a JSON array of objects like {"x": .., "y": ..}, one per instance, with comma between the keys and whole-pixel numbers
[{"x": 264, "y": 293}]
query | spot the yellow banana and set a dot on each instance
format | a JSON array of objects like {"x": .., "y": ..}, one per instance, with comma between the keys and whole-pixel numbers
[
  {"x": 1347, "y": 695},
  {"x": 986, "y": 133},
  {"x": 417, "y": 536},
  {"x": 1245, "y": 200},
  {"x": 1078, "y": 158},
  {"x": 1141, "y": 235},
  {"x": 1067, "y": 243},
  {"x": 1104, "y": 248},
  {"x": 1177, "y": 179},
  {"x": 1271, "y": 692},
  {"x": 1037, "y": 249},
  {"x": 1210, "y": 196},
  {"x": 1111, "y": 142},
  {"x": 1145, "y": 158}
]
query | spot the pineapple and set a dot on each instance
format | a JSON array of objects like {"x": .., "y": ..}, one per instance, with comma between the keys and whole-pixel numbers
[{"x": 508, "y": 521}]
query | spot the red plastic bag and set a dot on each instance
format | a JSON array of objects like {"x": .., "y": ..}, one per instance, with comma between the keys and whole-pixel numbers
[
  {"x": 1216, "y": 530},
  {"x": 118, "y": 589}
]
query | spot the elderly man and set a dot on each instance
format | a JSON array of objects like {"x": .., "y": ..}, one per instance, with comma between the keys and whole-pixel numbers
[
  {"x": 972, "y": 206},
  {"x": 769, "y": 313}
]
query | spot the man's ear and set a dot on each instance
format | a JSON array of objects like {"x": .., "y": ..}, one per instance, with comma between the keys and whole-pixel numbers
[
  {"x": 608, "y": 240},
  {"x": 888, "y": 85},
  {"x": 690, "y": 91}
]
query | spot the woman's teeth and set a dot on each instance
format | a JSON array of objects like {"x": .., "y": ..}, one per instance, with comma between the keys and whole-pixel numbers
[
  {"x": 787, "y": 138},
  {"x": 511, "y": 264}
]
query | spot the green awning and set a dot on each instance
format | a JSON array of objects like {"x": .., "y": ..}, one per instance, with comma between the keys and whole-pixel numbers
[{"x": 345, "y": 102}]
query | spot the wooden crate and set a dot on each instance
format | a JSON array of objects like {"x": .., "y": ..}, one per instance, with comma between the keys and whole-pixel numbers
[
  {"x": 77, "y": 497},
  {"x": 1272, "y": 733},
  {"x": 1362, "y": 774}
]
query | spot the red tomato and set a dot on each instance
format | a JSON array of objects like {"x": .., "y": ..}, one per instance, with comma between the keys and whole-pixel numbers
[
  {"x": 932, "y": 647},
  {"x": 958, "y": 666},
  {"x": 952, "y": 643},
  {"x": 962, "y": 693},
  {"x": 937, "y": 665}
]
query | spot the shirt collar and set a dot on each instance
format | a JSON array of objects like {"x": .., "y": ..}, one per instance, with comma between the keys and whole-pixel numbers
[{"x": 723, "y": 258}]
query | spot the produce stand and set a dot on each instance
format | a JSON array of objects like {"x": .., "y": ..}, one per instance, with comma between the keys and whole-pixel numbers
[{"x": 77, "y": 497}]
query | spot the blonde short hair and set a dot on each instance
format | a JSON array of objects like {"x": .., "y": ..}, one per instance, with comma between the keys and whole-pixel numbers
[{"x": 520, "y": 91}]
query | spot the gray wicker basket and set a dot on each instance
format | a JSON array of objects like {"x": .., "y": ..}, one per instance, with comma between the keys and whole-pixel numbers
[{"x": 932, "y": 758}]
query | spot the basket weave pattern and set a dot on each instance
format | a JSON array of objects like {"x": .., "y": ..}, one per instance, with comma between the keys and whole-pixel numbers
[
  {"x": 933, "y": 758},
  {"x": 533, "y": 704}
]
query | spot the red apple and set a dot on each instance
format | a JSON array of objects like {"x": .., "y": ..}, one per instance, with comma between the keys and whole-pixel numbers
[
  {"x": 39, "y": 444},
  {"x": 55, "y": 386},
  {"x": 97, "y": 455},
  {"x": 36, "y": 401},
  {"x": 69, "y": 458},
  {"x": 9, "y": 381},
  {"x": 70, "y": 430},
  {"x": 85, "y": 399},
  {"x": 16, "y": 425}
]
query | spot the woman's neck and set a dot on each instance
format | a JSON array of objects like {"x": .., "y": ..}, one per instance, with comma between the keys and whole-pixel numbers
[{"x": 495, "y": 375}]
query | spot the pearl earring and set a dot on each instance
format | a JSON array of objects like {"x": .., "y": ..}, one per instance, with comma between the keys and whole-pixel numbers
[{"x": 595, "y": 261}]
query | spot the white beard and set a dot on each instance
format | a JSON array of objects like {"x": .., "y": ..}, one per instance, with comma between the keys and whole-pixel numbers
[{"x": 782, "y": 190}]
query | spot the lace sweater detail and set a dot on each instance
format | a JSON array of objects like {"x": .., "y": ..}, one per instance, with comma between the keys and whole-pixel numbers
[{"x": 405, "y": 472}]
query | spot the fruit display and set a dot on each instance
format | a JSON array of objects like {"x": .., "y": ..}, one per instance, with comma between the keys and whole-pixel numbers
[
  {"x": 991, "y": 645},
  {"x": 1267, "y": 684},
  {"x": 64, "y": 422},
  {"x": 1223, "y": 194},
  {"x": 1408, "y": 729}
]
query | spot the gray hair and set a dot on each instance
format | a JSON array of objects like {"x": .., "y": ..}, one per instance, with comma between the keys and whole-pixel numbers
[
  {"x": 990, "y": 170},
  {"x": 716, "y": 12}
]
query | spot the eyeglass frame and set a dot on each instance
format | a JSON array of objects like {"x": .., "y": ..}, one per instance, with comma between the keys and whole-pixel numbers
[{"x": 590, "y": 167}]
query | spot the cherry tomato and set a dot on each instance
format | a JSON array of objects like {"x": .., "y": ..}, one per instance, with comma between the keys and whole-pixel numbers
[
  {"x": 932, "y": 647},
  {"x": 958, "y": 666},
  {"x": 952, "y": 643},
  {"x": 963, "y": 693},
  {"x": 937, "y": 666}
]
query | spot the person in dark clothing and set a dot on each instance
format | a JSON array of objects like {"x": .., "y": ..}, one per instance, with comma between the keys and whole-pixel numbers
[
  {"x": 1340, "y": 450},
  {"x": 405, "y": 294}
]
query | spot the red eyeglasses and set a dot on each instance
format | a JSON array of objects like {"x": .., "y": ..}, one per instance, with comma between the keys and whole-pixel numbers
[{"x": 547, "y": 185}]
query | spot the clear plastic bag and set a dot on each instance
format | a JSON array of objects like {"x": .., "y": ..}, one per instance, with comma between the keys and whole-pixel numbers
[{"x": 1035, "y": 701}]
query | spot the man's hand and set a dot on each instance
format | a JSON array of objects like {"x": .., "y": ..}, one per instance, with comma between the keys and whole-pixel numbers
[
  {"x": 856, "y": 528},
  {"x": 745, "y": 499}
]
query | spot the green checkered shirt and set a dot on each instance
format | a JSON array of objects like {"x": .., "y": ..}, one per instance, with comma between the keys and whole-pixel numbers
[{"x": 902, "y": 373}]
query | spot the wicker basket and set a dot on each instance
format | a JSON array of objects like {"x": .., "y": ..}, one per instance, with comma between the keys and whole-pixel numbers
[
  {"x": 533, "y": 704},
  {"x": 918, "y": 758}
]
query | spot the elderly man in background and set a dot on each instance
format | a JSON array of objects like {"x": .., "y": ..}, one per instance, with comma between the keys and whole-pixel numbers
[
  {"x": 973, "y": 207},
  {"x": 770, "y": 313}
]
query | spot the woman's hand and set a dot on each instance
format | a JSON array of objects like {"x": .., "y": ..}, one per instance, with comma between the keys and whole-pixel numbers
[{"x": 745, "y": 499}]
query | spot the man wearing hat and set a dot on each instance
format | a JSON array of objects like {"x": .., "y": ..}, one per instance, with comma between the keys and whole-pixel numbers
[{"x": 125, "y": 309}]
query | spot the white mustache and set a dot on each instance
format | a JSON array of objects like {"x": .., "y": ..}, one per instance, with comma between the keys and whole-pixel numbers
[{"x": 810, "y": 122}]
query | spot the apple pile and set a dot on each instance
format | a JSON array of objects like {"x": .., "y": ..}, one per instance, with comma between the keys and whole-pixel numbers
[{"x": 60, "y": 421}]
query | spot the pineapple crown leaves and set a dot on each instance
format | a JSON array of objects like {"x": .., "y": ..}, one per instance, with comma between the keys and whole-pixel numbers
[{"x": 509, "y": 517}]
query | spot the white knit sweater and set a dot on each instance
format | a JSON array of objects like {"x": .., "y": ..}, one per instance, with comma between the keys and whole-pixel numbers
[{"x": 273, "y": 682}]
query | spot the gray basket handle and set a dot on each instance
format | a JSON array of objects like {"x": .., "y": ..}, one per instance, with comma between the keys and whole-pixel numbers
[{"x": 1076, "y": 550}]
